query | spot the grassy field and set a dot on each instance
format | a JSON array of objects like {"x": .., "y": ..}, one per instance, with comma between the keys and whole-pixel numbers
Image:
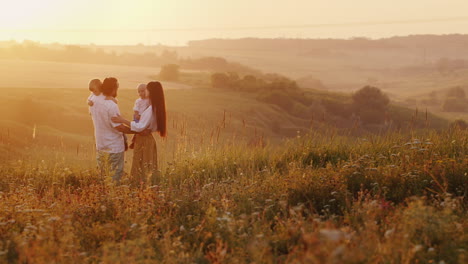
[{"x": 316, "y": 199}]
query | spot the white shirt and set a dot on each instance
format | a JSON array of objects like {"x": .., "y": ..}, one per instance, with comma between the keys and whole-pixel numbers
[
  {"x": 92, "y": 97},
  {"x": 147, "y": 120},
  {"x": 141, "y": 105},
  {"x": 108, "y": 139}
]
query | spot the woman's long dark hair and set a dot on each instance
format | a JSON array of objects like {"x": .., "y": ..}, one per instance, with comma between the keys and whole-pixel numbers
[{"x": 156, "y": 97}]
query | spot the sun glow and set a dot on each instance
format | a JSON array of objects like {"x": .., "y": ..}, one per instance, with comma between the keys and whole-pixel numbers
[
  {"x": 176, "y": 22},
  {"x": 22, "y": 15}
]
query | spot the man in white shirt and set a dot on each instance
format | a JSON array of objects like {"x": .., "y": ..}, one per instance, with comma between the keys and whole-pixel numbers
[{"x": 110, "y": 144}]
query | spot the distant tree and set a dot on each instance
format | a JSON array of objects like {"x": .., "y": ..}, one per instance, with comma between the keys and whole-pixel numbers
[
  {"x": 445, "y": 65},
  {"x": 456, "y": 92},
  {"x": 250, "y": 79},
  {"x": 459, "y": 124},
  {"x": 370, "y": 104},
  {"x": 453, "y": 104},
  {"x": 456, "y": 100},
  {"x": 168, "y": 56},
  {"x": 252, "y": 83},
  {"x": 219, "y": 80},
  {"x": 279, "y": 82},
  {"x": 234, "y": 80},
  {"x": 336, "y": 107},
  {"x": 248, "y": 83},
  {"x": 213, "y": 63},
  {"x": 371, "y": 97},
  {"x": 233, "y": 76},
  {"x": 169, "y": 72}
]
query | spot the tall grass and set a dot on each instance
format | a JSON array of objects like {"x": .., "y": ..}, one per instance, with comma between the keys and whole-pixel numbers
[{"x": 319, "y": 198}]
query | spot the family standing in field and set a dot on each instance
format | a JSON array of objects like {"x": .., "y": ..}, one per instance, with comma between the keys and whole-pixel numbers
[{"x": 110, "y": 128}]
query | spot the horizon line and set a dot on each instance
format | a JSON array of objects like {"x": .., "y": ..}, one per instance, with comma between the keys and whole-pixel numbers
[
  {"x": 272, "y": 27},
  {"x": 238, "y": 38}
]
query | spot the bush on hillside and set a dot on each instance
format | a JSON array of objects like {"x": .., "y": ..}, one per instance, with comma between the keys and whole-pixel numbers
[
  {"x": 251, "y": 83},
  {"x": 457, "y": 92},
  {"x": 459, "y": 124},
  {"x": 169, "y": 72},
  {"x": 453, "y": 104},
  {"x": 370, "y": 96},
  {"x": 370, "y": 104},
  {"x": 337, "y": 108},
  {"x": 219, "y": 80}
]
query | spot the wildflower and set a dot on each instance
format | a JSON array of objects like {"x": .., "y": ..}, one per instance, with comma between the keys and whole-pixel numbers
[
  {"x": 53, "y": 219},
  {"x": 339, "y": 251},
  {"x": 417, "y": 248},
  {"x": 331, "y": 234},
  {"x": 389, "y": 233}
]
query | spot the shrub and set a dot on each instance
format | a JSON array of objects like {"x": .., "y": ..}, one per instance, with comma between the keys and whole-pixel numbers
[
  {"x": 169, "y": 72},
  {"x": 219, "y": 80},
  {"x": 337, "y": 108},
  {"x": 459, "y": 124},
  {"x": 249, "y": 83},
  {"x": 370, "y": 97},
  {"x": 457, "y": 92},
  {"x": 370, "y": 104},
  {"x": 453, "y": 104}
]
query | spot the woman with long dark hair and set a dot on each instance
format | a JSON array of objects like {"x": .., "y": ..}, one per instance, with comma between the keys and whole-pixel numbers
[{"x": 145, "y": 157}]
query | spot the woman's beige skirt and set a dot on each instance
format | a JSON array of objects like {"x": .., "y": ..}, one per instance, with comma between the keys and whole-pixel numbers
[{"x": 145, "y": 159}]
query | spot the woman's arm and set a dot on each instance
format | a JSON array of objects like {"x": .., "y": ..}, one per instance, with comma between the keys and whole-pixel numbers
[
  {"x": 124, "y": 129},
  {"x": 142, "y": 125},
  {"x": 144, "y": 122}
]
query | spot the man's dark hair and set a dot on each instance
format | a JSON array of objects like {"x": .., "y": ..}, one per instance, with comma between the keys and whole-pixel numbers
[{"x": 109, "y": 86}]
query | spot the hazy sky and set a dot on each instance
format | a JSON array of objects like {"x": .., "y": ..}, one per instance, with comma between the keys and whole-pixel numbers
[{"x": 175, "y": 22}]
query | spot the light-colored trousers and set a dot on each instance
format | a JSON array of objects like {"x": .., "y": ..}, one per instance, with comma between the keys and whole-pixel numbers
[{"x": 111, "y": 164}]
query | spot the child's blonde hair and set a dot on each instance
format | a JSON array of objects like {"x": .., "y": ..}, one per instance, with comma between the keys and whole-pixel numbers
[
  {"x": 141, "y": 86},
  {"x": 93, "y": 83}
]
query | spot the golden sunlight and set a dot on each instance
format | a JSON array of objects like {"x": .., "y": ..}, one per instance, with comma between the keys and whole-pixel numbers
[
  {"x": 27, "y": 14},
  {"x": 233, "y": 131}
]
